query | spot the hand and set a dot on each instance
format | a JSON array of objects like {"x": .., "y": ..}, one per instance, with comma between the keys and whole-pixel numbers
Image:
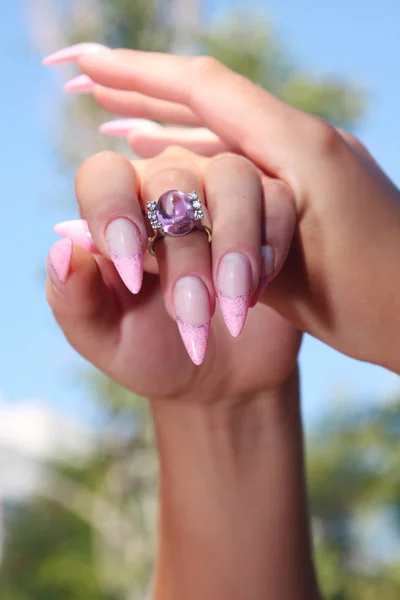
[
  {"x": 340, "y": 282},
  {"x": 135, "y": 338}
]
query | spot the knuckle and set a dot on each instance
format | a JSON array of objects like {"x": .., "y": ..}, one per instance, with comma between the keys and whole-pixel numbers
[
  {"x": 235, "y": 162},
  {"x": 91, "y": 165},
  {"x": 204, "y": 66},
  {"x": 102, "y": 177},
  {"x": 278, "y": 196},
  {"x": 324, "y": 137},
  {"x": 353, "y": 141},
  {"x": 277, "y": 189},
  {"x": 174, "y": 152},
  {"x": 201, "y": 70}
]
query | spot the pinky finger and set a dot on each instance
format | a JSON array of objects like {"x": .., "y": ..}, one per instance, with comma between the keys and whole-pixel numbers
[
  {"x": 280, "y": 217},
  {"x": 84, "y": 306}
]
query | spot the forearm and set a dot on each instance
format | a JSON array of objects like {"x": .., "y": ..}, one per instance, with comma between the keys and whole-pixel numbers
[{"x": 233, "y": 522}]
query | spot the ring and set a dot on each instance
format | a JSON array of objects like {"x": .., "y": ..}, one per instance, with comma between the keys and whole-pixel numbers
[{"x": 175, "y": 214}]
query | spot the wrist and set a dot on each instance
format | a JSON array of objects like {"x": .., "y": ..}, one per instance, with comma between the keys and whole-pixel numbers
[{"x": 232, "y": 492}]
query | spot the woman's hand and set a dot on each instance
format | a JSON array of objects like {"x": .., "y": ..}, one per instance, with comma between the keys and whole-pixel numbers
[
  {"x": 231, "y": 462},
  {"x": 133, "y": 337},
  {"x": 341, "y": 281}
]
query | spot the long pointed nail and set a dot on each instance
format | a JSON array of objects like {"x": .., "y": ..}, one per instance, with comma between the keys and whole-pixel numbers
[
  {"x": 58, "y": 262},
  {"x": 123, "y": 127},
  {"x": 266, "y": 270},
  {"x": 234, "y": 283},
  {"x": 126, "y": 252},
  {"x": 192, "y": 311},
  {"x": 79, "y": 85},
  {"x": 78, "y": 231},
  {"x": 72, "y": 53}
]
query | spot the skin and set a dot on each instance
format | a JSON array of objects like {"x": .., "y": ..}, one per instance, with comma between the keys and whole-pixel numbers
[
  {"x": 340, "y": 193},
  {"x": 228, "y": 433}
]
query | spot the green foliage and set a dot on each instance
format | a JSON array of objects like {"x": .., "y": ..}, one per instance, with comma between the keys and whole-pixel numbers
[
  {"x": 48, "y": 555},
  {"x": 93, "y": 536},
  {"x": 339, "y": 103},
  {"x": 248, "y": 45},
  {"x": 142, "y": 24},
  {"x": 354, "y": 485}
]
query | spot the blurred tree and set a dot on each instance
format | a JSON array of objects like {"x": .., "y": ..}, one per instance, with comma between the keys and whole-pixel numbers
[
  {"x": 247, "y": 44},
  {"x": 354, "y": 486},
  {"x": 91, "y": 533},
  {"x": 49, "y": 555},
  {"x": 112, "y": 542}
]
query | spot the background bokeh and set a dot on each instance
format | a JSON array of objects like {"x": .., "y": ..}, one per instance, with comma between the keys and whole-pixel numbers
[{"x": 77, "y": 467}]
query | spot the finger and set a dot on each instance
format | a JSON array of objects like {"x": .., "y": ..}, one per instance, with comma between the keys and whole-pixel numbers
[
  {"x": 148, "y": 138},
  {"x": 83, "y": 304},
  {"x": 78, "y": 231},
  {"x": 241, "y": 113},
  {"x": 234, "y": 196},
  {"x": 184, "y": 261},
  {"x": 279, "y": 223},
  {"x": 199, "y": 140},
  {"x": 134, "y": 104},
  {"x": 106, "y": 190}
]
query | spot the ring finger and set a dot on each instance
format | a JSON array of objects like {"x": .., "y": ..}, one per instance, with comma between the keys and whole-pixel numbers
[
  {"x": 234, "y": 195},
  {"x": 253, "y": 218}
]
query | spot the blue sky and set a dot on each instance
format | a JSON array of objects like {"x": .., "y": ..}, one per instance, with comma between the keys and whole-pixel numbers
[{"x": 357, "y": 39}]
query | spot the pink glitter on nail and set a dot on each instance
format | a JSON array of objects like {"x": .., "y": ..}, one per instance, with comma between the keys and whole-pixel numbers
[
  {"x": 195, "y": 338},
  {"x": 59, "y": 259},
  {"x": 234, "y": 310},
  {"x": 130, "y": 269}
]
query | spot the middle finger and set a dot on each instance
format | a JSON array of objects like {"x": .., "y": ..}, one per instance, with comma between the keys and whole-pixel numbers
[{"x": 184, "y": 261}]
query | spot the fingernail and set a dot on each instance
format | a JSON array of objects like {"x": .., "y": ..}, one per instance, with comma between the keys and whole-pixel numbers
[
  {"x": 126, "y": 252},
  {"x": 234, "y": 284},
  {"x": 72, "y": 53},
  {"x": 78, "y": 231},
  {"x": 192, "y": 311},
  {"x": 266, "y": 270},
  {"x": 58, "y": 261},
  {"x": 123, "y": 127},
  {"x": 79, "y": 85}
]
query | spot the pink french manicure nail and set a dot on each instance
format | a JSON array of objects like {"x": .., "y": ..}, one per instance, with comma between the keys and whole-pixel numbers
[
  {"x": 192, "y": 311},
  {"x": 58, "y": 261},
  {"x": 234, "y": 284},
  {"x": 78, "y": 231},
  {"x": 79, "y": 85},
  {"x": 126, "y": 252},
  {"x": 72, "y": 53},
  {"x": 123, "y": 127},
  {"x": 266, "y": 270}
]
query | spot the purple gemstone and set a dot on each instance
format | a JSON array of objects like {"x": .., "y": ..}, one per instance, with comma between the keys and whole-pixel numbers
[{"x": 175, "y": 213}]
